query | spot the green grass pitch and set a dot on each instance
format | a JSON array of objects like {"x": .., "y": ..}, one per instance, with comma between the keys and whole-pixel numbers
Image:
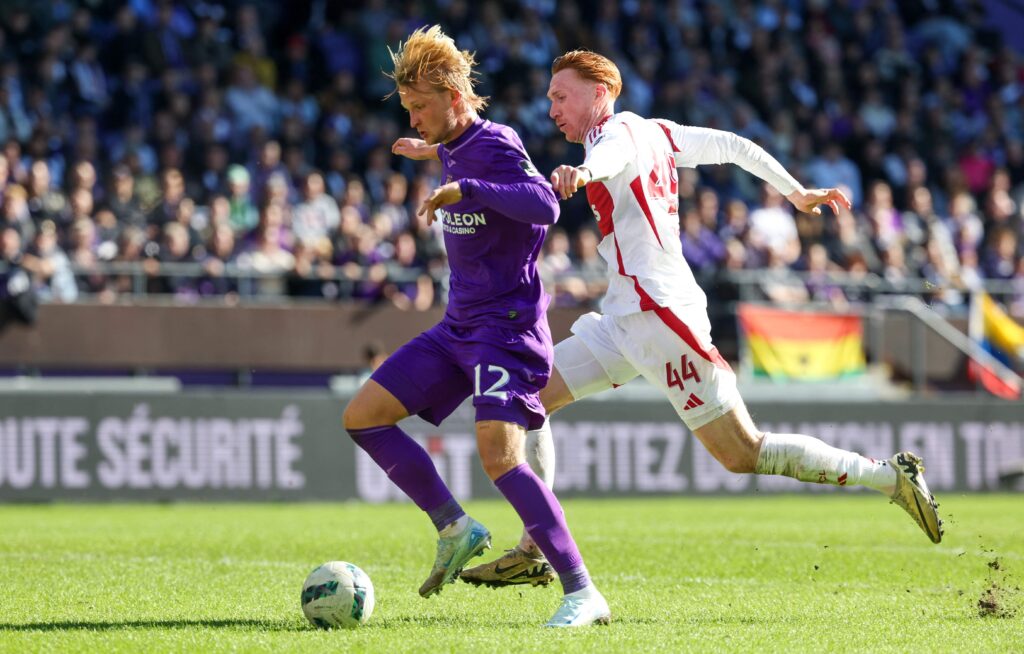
[{"x": 835, "y": 573}]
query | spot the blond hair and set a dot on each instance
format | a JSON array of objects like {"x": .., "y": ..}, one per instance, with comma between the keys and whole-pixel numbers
[
  {"x": 431, "y": 56},
  {"x": 592, "y": 66}
]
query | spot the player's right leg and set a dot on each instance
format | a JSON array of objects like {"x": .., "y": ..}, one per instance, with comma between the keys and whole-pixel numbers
[
  {"x": 577, "y": 373},
  {"x": 419, "y": 378}
]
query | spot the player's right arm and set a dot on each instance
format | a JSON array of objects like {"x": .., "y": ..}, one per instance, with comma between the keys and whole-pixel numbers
[
  {"x": 608, "y": 157},
  {"x": 415, "y": 149}
]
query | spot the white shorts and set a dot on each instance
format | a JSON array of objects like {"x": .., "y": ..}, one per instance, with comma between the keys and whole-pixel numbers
[{"x": 671, "y": 348}]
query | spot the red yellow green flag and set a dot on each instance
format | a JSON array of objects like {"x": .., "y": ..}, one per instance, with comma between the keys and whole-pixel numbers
[{"x": 802, "y": 345}]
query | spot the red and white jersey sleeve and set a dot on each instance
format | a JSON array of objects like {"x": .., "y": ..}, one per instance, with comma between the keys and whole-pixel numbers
[{"x": 634, "y": 194}]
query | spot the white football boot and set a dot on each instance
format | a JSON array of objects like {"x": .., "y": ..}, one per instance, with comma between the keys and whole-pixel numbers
[{"x": 582, "y": 608}]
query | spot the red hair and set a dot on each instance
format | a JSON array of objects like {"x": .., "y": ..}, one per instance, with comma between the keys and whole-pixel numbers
[{"x": 592, "y": 66}]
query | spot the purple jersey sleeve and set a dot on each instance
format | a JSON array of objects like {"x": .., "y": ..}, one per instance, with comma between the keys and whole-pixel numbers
[
  {"x": 526, "y": 202},
  {"x": 514, "y": 187}
]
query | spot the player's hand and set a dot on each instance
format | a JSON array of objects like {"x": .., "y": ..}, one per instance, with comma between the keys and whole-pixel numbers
[
  {"x": 810, "y": 200},
  {"x": 414, "y": 149},
  {"x": 441, "y": 196},
  {"x": 566, "y": 180}
]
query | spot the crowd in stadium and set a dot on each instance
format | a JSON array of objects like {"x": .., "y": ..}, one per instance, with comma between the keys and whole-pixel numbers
[{"x": 255, "y": 137}]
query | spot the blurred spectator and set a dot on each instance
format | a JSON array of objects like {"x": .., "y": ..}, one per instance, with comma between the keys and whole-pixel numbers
[
  {"x": 263, "y": 252},
  {"x": 701, "y": 246},
  {"x": 416, "y": 290},
  {"x": 316, "y": 217},
  {"x": 172, "y": 192},
  {"x": 554, "y": 260},
  {"x": 832, "y": 168},
  {"x": 50, "y": 266},
  {"x": 15, "y": 212},
  {"x": 313, "y": 274},
  {"x": 820, "y": 286},
  {"x": 44, "y": 202},
  {"x": 219, "y": 253},
  {"x": 123, "y": 201},
  {"x": 243, "y": 215},
  {"x": 175, "y": 249},
  {"x": 162, "y": 45},
  {"x": 999, "y": 260},
  {"x": 773, "y": 230},
  {"x": 82, "y": 252},
  {"x": 779, "y": 282},
  {"x": 17, "y": 297},
  {"x": 252, "y": 106}
]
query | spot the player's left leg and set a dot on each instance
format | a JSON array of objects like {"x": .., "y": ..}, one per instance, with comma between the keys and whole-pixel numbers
[
  {"x": 524, "y": 562},
  {"x": 501, "y": 446},
  {"x": 577, "y": 373},
  {"x": 510, "y": 368},
  {"x": 735, "y": 442},
  {"x": 673, "y": 349}
]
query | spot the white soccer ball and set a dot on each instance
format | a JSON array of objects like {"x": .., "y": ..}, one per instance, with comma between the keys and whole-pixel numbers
[{"x": 337, "y": 594}]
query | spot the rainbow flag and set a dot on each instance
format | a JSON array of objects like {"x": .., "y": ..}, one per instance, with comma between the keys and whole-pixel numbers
[
  {"x": 1001, "y": 337},
  {"x": 801, "y": 345}
]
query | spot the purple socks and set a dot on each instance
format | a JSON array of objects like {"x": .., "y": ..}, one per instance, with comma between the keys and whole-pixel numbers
[
  {"x": 545, "y": 522},
  {"x": 409, "y": 466}
]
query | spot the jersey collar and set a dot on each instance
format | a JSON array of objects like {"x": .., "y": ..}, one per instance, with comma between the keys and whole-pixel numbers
[{"x": 465, "y": 137}]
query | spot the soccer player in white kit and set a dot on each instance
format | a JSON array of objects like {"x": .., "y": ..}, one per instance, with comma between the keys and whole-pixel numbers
[{"x": 654, "y": 320}]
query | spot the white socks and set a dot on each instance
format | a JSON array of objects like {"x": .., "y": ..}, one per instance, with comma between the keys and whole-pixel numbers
[
  {"x": 587, "y": 592},
  {"x": 540, "y": 454},
  {"x": 809, "y": 459},
  {"x": 455, "y": 528}
]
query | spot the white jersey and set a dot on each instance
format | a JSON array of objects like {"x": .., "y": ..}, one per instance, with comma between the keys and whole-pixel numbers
[{"x": 634, "y": 193}]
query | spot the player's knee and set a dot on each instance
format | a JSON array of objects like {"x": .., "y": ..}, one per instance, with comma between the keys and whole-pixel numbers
[
  {"x": 741, "y": 458},
  {"x": 497, "y": 462},
  {"x": 350, "y": 417},
  {"x": 358, "y": 415},
  {"x": 496, "y": 468},
  {"x": 739, "y": 463}
]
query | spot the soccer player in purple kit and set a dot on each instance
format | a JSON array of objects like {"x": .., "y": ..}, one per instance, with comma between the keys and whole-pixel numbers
[{"x": 493, "y": 343}]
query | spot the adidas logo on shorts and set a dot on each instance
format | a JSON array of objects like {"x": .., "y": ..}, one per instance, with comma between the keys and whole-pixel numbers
[{"x": 692, "y": 402}]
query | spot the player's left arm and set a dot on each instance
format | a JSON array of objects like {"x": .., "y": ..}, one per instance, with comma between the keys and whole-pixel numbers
[
  {"x": 527, "y": 202},
  {"x": 512, "y": 186},
  {"x": 696, "y": 146}
]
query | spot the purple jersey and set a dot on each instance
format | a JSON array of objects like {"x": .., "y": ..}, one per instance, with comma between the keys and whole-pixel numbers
[{"x": 494, "y": 234}]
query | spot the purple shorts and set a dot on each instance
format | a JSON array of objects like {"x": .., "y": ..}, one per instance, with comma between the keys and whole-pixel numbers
[{"x": 502, "y": 369}]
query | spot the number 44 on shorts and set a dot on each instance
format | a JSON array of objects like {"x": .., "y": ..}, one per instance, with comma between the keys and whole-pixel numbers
[{"x": 672, "y": 375}]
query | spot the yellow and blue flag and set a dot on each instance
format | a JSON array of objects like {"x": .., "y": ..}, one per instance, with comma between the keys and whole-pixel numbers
[{"x": 1001, "y": 337}]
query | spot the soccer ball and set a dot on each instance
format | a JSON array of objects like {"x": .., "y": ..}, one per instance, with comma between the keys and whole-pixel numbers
[{"x": 337, "y": 594}]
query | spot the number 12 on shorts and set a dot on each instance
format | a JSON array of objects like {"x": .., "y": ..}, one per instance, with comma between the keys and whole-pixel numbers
[
  {"x": 688, "y": 372},
  {"x": 494, "y": 390}
]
